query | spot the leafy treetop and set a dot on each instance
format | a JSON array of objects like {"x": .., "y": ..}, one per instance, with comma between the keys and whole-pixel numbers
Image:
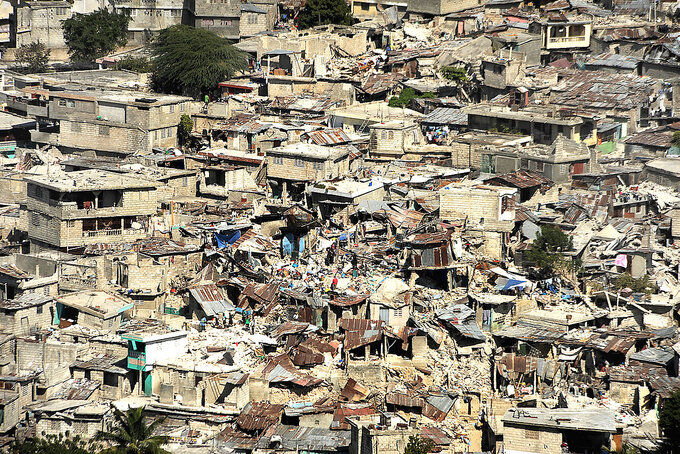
[
  {"x": 91, "y": 36},
  {"x": 132, "y": 435},
  {"x": 193, "y": 61},
  {"x": 418, "y": 445},
  {"x": 324, "y": 12},
  {"x": 405, "y": 97},
  {"x": 33, "y": 57},
  {"x": 669, "y": 419}
]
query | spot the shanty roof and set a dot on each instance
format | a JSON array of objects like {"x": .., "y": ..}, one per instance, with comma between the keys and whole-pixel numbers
[
  {"x": 353, "y": 391},
  {"x": 446, "y": 116},
  {"x": 310, "y": 439},
  {"x": 280, "y": 369},
  {"x": 520, "y": 179},
  {"x": 347, "y": 301},
  {"x": 612, "y": 60},
  {"x": 101, "y": 362},
  {"x": 585, "y": 419},
  {"x": 344, "y": 411},
  {"x": 14, "y": 272},
  {"x": 334, "y": 136},
  {"x": 259, "y": 416},
  {"x": 531, "y": 332},
  {"x": 211, "y": 299},
  {"x": 76, "y": 389},
  {"x": 664, "y": 386},
  {"x": 600, "y": 90},
  {"x": 24, "y": 301},
  {"x": 656, "y": 355}
]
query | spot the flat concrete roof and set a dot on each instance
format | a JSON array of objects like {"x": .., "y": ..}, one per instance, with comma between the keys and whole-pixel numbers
[
  {"x": 310, "y": 150},
  {"x": 89, "y": 180},
  {"x": 97, "y": 303},
  {"x": 585, "y": 419}
]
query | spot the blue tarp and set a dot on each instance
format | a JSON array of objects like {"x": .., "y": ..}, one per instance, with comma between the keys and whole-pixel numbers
[
  {"x": 228, "y": 239},
  {"x": 503, "y": 283},
  {"x": 288, "y": 244}
]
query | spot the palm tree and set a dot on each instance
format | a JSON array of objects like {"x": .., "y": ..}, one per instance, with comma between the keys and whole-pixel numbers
[{"x": 131, "y": 434}]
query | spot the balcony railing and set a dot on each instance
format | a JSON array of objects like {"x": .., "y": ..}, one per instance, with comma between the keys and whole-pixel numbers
[
  {"x": 111, "y": 232},
  {"x": 566, "y": 39}
]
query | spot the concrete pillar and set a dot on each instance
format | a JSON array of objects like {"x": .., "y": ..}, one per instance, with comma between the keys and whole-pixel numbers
[
  {"x": 167, "y": 393},
  {"x": 189, "y": 395}
]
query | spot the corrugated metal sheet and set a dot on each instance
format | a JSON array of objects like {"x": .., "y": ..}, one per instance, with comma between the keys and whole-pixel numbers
[
  {"x": 531, "y": 333},
  {"x": 334, "y": 136},
  {"x": 520, "y": 179},
  {"x": 353, "y": 391},
  {"x": 404, "y": 400},
  {"x": 347, "y": 301},
  {"x": 446, "y": 116},
  {"x": 257, "y": 416},
  {"x": 664, "y": 386},
  {"x": 345, "y": 410},
  {"x": 211, "y": 299},
  {"x": 356, "y": 339},
  {"x": 280, "y": 369}
]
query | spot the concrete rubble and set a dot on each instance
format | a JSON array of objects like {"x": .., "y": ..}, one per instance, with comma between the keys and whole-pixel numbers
[{"x": 456, "y": 220}]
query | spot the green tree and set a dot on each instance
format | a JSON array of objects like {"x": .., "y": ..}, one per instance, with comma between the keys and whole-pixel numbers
[
  {"x": 53, "y": 444},
  {"x": 132, "y": 435},
  {"x": 669, "y": 419},
  {"x": 91, "y": 36},
  {"x": 193, "y": 61},
  {"x": 405, "y": 97},
  {"x": 547, "y": 250},
  {"x": 33, "y": 58},
  {"x": 676, "y": 139},
  {"x": 324, "y": 12},
  {"x": 184, "y": 129},
  {"x": 418, "y": 445},
  {"x": 454, "y": 73}
]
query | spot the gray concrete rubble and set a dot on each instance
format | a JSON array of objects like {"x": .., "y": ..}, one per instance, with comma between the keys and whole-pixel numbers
[{"x": 452, "y": 220}]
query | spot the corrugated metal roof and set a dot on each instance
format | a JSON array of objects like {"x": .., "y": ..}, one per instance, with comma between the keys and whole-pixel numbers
[
  {"x": 655, "y": 355},
  {"x": 404, "y": 400},
  {"x": 257, "y": 416},
  {"x": 353, "y": 391},
  {"x": 664, "y": 386},
  {"x": 280, "y": 369},
  {"x": 211, "y": 299},
  {"x": 334, "y": 136},
  {"x": 446, "y": 116},
  {"x": 520, "y": 179},
  {"x": 532, "y": 333},
  {"x": 310, "y": 439},
  {"x": 345, "y": 410}
]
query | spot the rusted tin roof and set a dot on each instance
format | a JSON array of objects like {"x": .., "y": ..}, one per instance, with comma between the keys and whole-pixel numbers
[
  {"x": 257, "y": 416},
  {"x": 353, "y": 391},
  {"x": 335, "y": 136}
]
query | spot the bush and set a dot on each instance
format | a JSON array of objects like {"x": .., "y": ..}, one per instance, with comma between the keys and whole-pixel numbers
[
  {"x": 33, "y": 58},
  {"x": 640, "y": 285},
  {"x": 136, "y": 64},
  {"x": 455, "y": 73}
]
